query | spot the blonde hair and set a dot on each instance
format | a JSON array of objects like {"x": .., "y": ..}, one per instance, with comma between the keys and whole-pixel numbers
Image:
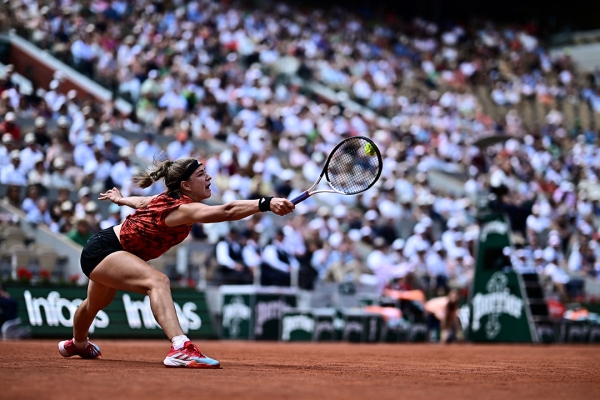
[{"x": 170, "y": 171}]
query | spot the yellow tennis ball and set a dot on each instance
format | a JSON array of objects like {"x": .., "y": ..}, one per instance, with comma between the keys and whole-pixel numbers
[{"x": 369, "y": 149}]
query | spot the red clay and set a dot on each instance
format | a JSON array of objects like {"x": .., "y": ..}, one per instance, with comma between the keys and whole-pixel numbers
[{"x": 133, "y": 370}]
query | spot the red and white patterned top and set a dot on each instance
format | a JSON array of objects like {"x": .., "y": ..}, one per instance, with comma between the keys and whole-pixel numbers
[{"x": 145, "y": 234}]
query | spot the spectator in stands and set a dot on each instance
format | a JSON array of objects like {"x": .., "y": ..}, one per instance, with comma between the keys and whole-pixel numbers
[
  {"x": 123, "y": 170},
  {"x": 84, "y": 151},
  {"x": 42, "y": 138},
  {"x": 13, "y": 195},
  {"x": 278, "y": 263},
  {"x": 229, "y": 253},
  {"x": 59, "y": 178},
  {"x": 11, "y": 174},
  {"x": 114, "y": 217},
  {"x": 66, "y": 220},
  {"x": 40, "y": 214},
  {"x": 81, "y": 232},
  {"x": 92, "y": 216},
  {"x": 29, "y": 154},
  {"x": 39, "y": 175},
  {"x": 8, "y": 145},
  {"x": 437, "y": 269},
  {"x": 181, "y": 147},
  {"x": 32, "y": 196},
  {"x": 9, "y": 125},
  {"x": 147, "y": 149},
  {"x": 84, "y": 199}
]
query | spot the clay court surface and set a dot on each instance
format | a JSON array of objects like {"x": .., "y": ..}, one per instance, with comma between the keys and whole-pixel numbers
[{"x": 133, "y": 370}]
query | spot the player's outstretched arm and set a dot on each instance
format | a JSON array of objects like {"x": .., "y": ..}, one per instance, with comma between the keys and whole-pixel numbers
[
  {"x": 191, "y": 213},
  {"x": 116, "y": 197}
]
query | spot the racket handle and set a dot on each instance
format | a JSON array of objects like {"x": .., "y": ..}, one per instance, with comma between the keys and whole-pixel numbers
[{"x": 301, "y": 198}]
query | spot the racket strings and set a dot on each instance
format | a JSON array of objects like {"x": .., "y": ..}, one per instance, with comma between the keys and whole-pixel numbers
[{"x": 351, "y": 168}]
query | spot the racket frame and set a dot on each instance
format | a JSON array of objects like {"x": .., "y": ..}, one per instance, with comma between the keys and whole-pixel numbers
[{"x": 306, "y": 194}]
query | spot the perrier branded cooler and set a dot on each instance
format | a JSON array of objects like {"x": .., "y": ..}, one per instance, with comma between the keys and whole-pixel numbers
[{"x": 251, "y": 312}]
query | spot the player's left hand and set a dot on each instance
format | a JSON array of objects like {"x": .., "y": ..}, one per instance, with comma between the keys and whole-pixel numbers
[
  {"x": 281, "y": 206},
  {"x": 112, "y": 194}
]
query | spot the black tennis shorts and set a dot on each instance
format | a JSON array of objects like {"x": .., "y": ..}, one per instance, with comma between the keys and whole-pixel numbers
[{"x": 98, "y": 248}]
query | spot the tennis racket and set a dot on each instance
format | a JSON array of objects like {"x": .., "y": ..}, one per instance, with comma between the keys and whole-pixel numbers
[{"x": 353, "y": 166}]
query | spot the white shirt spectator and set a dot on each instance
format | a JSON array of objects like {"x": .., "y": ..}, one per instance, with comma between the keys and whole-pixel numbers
[
  {"x": 120, "y": 172},
  {"x": 28, "y": 159},
  {"x": 270, "y": 257},
  {"x": 146, "y": 150},
  {"x": 177, "y": 150},
  {"x": 83, "y": 153},
  {"x": 9, "y": 175}
]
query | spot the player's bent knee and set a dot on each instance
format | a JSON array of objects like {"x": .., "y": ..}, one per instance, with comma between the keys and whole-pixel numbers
[{"x": 160, "y": 281}]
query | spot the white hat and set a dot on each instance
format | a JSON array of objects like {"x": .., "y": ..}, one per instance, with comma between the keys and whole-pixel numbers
[
  {"x": 398, "y": 244},
  {"x": 287, "y": 174},
  {"x": 354, "y": 235},
  {"x": 10, "y": 117},
  {"x": 452, "y": 223},
  {"x": 38, "y": 158},
  {"x": 66, "y": 206},
  {"x": 124, "y": 152},
  {"x": 335, "y": 239},
  {"x": 7, "y": 138},
  {"x": 366, "y": 231},
  {"x": 470, "y": 235},
  {"x": 62, "y": 121},
  {"x": 371, "y": 215},
  {"x": 91, "y": 207},
  {"x": 419, "y": 229},
  {"x": 15, "y": 155},
  {"x": 339, "y": 211},
  {"x": 39, "y": 122},
  {"x": 554, "y": 240},
  {"x": 87, "y": 138},
  {"x": 426, "y": 222},
  {"x": 53, "y": 84},
  {"x": 437, "y": 246},
  {"x": 379, "y": 241},
  {"x": 421, "y": 245},
  {"x": 538, "y": 254},
  {"x": 29, "y": 138},
  {"x": 105, "y": 127},
  {"x": 84, "y": 191},
  {"x": 458, "y": 252},
  {"x": 59, "y": 163}
]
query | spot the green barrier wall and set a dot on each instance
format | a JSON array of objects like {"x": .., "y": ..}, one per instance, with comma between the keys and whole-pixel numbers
[{"x": 50, "y": 310}]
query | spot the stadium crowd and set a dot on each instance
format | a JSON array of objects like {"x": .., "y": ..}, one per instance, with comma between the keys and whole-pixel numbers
[{"x": 212, "y": 71}]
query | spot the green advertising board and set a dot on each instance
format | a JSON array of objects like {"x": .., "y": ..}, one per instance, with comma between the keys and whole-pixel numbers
[
  {"x": 360, "y": 326},
  {"x": 325, "y": 324},
  {"x": 297, "y": 326},
  {"x": 237, "y": 316},
  {"x": 498, "y": 312},
  {"x": 251, "y": 312},
  {"x": 49, "y": 311}
]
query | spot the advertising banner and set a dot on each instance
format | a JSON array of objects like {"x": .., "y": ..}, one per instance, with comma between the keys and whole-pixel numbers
[
  {"x": 250, "y": 312},
  {"x": 498, "y": 311},
  {"x": 297, "y": 326},
  {"x": 49, "y": 310}
]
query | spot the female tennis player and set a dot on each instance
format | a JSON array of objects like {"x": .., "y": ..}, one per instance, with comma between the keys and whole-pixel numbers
[{"x": 116, "y": 258}]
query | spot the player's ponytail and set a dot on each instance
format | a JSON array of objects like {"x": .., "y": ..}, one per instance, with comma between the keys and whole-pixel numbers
[{"x": 170, "y": 171}]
